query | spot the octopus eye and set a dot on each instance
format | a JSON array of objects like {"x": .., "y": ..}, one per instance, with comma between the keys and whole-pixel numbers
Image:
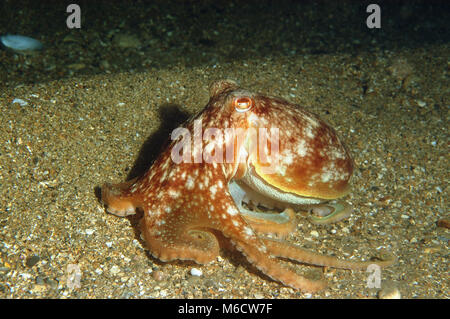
[{"x": 242, "y": 104}]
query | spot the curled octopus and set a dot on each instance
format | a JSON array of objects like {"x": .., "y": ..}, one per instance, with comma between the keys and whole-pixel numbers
[{"x": 242, "y": 148}]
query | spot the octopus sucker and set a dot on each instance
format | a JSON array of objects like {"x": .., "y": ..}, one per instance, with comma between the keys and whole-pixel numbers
[
  {"x": 330, "y": 212},
  {"x": 245, "y": 150},
  {"x": 280, "y": 224}
]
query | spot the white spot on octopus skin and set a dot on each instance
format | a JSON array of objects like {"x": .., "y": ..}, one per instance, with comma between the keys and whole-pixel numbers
[
  {"x": 206, "y": 180},
  {"x": 160, "y": 222},
  {"x": 331, "y": 173},
  {"x": 309, "y": 132},
  {"x": 248, "y": 231},
  {"x": 134, "y": 188},
  {"x": 281, "y": 170},
  {"x": 302, "y": 148},
  {"x": 326, "y": 176},
  {"x": 287, "y": 157},
  {"x": 232, "y": 211},
  {"x": 164, "y": 176},
  {"x": 190, "y": 183},
  {"x": 336, "y": 154},
  {"x": 173, "y": 193},
  {"x": 213, "y": 190}
]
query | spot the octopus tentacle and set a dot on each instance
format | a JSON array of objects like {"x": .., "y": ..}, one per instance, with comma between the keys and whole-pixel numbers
[
  {"x": 119, "y": 198},
  {"x": 272, "y": 267},
  {"x": 280, "y": 224},
  {"x": 241, "y": 233},
  {"x": 197, "y": 245},
  {"x": 274, "y": 223},
  {"x": 282, "y": 249}
]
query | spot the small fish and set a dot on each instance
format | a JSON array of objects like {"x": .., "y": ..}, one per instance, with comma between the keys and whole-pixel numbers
[{"x": 20, "y": 42}]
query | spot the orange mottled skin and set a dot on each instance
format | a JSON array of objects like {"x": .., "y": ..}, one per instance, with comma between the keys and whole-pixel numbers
[{"x": 183, "y": 203}]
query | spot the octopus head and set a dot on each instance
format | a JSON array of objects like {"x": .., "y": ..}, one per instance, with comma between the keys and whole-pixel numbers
[{"x": 287, "y": 154}]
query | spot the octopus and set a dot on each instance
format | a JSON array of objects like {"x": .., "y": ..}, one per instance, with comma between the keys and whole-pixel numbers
[{"x": 243, "y": 152}]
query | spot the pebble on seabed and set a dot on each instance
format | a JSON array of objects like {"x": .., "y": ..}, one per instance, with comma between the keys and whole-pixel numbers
[
  {"x": 19, "y": 101},
  {"x": 196, "y": 272},
  {"x": 31, "y": 261},
  {"x": 127, "y": 41}
]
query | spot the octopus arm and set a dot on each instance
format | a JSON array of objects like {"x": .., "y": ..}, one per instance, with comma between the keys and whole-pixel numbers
[
  {"x": 184, "y": 243},
  {"x": 119, "y": 199},
  {"x": 293, "y": 252},
  {"x": 240, "y": 232}
]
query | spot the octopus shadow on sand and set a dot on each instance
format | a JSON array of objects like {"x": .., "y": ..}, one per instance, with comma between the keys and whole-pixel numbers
[{"x": 171, "y": 116}]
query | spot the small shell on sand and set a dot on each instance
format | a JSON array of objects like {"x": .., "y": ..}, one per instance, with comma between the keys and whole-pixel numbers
[{"x": 20, "y": 42}]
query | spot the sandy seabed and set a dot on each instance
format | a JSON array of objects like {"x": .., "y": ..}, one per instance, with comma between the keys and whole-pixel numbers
[{"x": 82, "y": 129}]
